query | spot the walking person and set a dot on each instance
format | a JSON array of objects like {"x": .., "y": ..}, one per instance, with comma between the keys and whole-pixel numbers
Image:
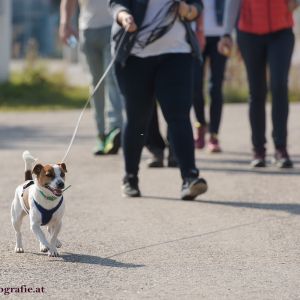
[
  {"x": 154, "y": 61},
  {"x": 94, "y": 36},
  {"x": 209, "y": 31},
  {"x": 265, "y": 39}
]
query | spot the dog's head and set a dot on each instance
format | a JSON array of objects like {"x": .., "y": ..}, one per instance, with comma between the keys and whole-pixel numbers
[{"x": 51, "y": 177}]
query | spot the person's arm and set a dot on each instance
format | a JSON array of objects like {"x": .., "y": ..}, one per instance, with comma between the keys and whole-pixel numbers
[
  {"x": 231, "y": 13},
  {"x": 232, "y": 9},
  {"x": 67, "y": 10}
]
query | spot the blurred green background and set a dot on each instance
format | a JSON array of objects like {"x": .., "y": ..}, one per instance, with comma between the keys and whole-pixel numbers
[{"x": 45, "y": 75}]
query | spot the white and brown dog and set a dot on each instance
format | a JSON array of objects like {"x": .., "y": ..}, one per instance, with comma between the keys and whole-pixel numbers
[{"x": 41, "y": 198}]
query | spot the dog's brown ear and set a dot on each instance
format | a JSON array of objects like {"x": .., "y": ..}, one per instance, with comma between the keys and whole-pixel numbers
[
  {"x": 63, "y": 166},
  {"x": 37, "y": 169}
]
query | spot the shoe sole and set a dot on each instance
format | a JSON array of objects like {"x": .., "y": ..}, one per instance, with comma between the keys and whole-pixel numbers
[
  {"x": 258, "y": 164},
  {"x": 124, "y": 195},
  {"x": 98, "y": 153},
  {"x": 156, "y": 165},
  {"x": 196, "y": 190},
  {"x": 214, "y": 150}
]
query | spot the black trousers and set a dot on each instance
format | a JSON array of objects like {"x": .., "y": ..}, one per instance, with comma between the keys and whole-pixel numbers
[
  {"x": 167, "y": 78},
  {"x": 275, "y": 51},
  {"x": 155, "y": 143},
  {"x": 217, "y": 64}
]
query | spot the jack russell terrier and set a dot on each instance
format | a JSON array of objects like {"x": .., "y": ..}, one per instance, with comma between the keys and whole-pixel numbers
[{"x": 42, "y": 199}]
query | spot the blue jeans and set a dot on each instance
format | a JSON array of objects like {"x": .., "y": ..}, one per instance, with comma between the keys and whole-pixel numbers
[
  {"x": 95, "y": 44},
  {"x": 167, "y": 78}
]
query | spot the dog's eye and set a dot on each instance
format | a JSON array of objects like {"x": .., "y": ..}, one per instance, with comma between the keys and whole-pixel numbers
[
  {"x": 48, "y": 174},
  {"x": 62, "y": 175}
]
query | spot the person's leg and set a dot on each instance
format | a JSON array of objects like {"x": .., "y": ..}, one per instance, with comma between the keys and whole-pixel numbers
[
  {"x": 112, "y": 91},
  {"x": 253, "y": 50},
  {"x": 198, "y": 93},
  {"x": 113, "y": 103},
  {"x": 173, "y": 87},
  {"x": 217, "y": 67},
  {"x": 280, "y": 49},
  {"x": 94, "y": 56},
  {"x": 154, "y": 141},
  {"x": 199, "y": 100},
  {"x": 139, "y": 102}
]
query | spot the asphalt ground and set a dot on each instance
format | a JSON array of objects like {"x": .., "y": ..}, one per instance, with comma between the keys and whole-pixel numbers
[{"x": 240, "y": 240}]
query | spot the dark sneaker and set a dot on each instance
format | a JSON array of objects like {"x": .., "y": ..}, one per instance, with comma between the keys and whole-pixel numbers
[
  {"x": 113, "y": 141},
  {"x": 282, "y": 159},
  {"x": 193, "y": 187},
  {"x": 157, "y": 161},
  {"x": 259, "y": 159},
  {"x": 99, "y": 148},
  {"x": 130, "y": 186},
  {"x": 200, "y": 140}
]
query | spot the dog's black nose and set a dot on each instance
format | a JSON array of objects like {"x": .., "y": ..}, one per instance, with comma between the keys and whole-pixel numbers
[{"x": 60, "y": 184}]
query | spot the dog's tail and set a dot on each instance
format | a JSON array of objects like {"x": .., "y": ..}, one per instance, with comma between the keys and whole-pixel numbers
[{"x": 29, "y": 163}]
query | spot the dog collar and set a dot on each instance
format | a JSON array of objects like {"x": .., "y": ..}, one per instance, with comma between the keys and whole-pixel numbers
[{"x": 50, "y": 198}]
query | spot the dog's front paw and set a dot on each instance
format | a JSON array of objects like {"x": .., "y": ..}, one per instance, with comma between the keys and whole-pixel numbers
[
  {"x": 19, "y": 250},
  {"x": 43, "y": 248},
  {"x": 53, "y": 252},
  {"x": 58, "y": 244}
]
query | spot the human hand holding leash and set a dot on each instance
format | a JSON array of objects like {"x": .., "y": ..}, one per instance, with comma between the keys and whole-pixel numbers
[{"x": 126, "y": 20}]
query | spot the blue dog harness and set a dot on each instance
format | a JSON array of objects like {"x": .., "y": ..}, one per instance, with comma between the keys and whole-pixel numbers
[{"x": 47, "y": 213}]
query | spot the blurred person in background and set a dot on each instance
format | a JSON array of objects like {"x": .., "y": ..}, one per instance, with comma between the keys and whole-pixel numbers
[
  {"x": 265, "y": 38},
  {"x": 94, "y": 36},
  {"x": 209, "y": 30}
]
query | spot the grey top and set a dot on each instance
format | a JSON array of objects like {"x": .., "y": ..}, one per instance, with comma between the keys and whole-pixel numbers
[
  {"x": 231, "y": 14},
  {"x": 94, "y": 14}
]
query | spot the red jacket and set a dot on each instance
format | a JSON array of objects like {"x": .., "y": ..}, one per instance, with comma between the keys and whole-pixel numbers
[{"x": 264, "y": 16}]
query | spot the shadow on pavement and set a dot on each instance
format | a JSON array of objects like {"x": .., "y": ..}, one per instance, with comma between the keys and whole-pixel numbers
[
  {"x": 96, "y": 260},
  {"x": 292, "y": 208},
  {"x": 262, "y": 171},
  {"x": 219, "y": 158},
  {"x": 249, "y": 154}
]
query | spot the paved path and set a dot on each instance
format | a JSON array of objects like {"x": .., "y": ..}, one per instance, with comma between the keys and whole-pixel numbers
[{"x": 240, "y": 240}]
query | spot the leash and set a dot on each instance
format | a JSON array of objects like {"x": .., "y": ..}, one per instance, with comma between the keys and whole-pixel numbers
[{"x": 93, "y": 93}]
